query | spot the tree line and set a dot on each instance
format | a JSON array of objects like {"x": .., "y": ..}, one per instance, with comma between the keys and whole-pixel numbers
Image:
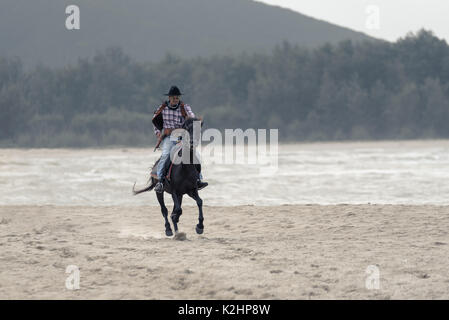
[{"x": 346, "y": 91}]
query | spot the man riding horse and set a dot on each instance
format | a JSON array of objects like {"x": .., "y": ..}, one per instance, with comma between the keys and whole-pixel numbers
[{"x": 168, "y": 117}]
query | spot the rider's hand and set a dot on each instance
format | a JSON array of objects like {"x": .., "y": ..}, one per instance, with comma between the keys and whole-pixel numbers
[{"x": 158, "y": 135}]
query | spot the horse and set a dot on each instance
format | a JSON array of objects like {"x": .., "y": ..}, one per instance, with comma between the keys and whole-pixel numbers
[{"x": 182, "y": 180}]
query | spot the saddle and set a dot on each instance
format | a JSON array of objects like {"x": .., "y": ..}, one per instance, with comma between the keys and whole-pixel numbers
[{"x": 176, "y": 153}]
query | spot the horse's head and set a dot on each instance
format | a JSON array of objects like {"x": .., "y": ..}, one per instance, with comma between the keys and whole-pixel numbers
[{"x": 194, "y": 134}]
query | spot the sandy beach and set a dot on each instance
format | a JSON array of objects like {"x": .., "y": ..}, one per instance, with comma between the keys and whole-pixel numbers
[{"x": 246, "y": 252}]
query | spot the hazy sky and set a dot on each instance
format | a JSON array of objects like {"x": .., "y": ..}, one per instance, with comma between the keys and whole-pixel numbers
[{"x": 396, "y": 17}]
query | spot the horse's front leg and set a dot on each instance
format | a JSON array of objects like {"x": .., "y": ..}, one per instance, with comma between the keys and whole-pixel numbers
[
  {"x": 177, "y": 211},
  {"x": 199, "y": 227},
  {"x": 160, "y": 198}
]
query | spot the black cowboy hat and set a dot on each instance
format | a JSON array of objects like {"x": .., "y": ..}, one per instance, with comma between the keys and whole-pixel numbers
[{"x": 174, "y": 91}]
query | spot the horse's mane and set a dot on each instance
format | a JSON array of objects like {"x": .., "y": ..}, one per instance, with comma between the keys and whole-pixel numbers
[{"x": 188, "y": 123}]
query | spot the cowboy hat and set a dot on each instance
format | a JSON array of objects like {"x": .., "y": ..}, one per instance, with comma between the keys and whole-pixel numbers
[{"x": 174, "y": 91}]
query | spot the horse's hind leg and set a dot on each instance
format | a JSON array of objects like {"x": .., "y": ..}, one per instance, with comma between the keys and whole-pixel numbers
[
  {"x": 199, "y": 227},
  {"x": 177, "y": 211},
  {"x": 160, "y": 198}
]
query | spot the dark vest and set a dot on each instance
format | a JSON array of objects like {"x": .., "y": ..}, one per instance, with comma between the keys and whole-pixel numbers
[{"x": 158, "y": 120}]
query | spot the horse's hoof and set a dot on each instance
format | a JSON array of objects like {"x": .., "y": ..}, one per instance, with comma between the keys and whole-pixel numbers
[
  {"x": 168, "y": 233},
  {"x": 199, "y": 230}
]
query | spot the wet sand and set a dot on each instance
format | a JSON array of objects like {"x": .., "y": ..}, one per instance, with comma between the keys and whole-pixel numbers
[{"x": 246, "y": 252}]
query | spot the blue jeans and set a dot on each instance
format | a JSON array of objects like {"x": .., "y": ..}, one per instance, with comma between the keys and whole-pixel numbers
[{"x": 167, "y": 146}]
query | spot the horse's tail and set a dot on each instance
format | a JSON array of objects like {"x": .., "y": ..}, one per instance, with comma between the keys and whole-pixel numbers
[{"x": 148, "y": 188}]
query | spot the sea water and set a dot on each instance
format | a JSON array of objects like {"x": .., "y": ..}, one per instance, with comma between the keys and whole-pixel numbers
[{"x": 388, "y": 172}]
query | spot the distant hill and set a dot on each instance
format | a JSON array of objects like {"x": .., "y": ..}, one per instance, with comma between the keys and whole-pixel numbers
[{"x": 148, "y": 29}]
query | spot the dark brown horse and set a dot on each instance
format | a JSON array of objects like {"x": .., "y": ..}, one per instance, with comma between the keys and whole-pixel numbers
[{"x": 183, "y": 178}]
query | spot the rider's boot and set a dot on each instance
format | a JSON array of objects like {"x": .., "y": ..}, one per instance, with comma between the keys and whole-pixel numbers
[
  {"x": 160, "y": 184},
  {"x": 159, "y": 188},
  {"x": 201, "y": 184}
]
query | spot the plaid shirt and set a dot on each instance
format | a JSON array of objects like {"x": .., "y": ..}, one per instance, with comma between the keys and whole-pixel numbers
[{"x": 173, "y": 119}]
